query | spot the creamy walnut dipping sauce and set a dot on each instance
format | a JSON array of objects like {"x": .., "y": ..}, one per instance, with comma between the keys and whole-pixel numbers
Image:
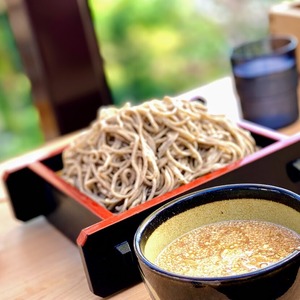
[{"x": 228, "y": 248}]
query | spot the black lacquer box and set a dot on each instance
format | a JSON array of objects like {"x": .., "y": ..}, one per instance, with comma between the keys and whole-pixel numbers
[{"x": 105, "y": 239}]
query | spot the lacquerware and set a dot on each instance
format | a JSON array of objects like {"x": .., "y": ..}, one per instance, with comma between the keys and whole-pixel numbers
[{"x": 104, "y": 239}]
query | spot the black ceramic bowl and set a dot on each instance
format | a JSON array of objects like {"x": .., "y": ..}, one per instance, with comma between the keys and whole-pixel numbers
[{"x": 229, "y": 202}]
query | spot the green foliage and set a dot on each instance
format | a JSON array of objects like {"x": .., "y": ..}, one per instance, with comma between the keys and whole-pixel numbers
[
  {"x": 19, "y": 123},
  {"x": 156, "y": 48}
]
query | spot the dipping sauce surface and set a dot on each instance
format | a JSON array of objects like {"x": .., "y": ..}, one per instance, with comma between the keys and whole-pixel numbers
[{"x": 228, "y": 248}]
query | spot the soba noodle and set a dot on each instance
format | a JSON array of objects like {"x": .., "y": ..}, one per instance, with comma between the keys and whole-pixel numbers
[{"x": 132, "y": 154}]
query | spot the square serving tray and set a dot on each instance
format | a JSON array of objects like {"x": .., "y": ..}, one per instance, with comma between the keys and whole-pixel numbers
[{"x": 105, "y": 239}]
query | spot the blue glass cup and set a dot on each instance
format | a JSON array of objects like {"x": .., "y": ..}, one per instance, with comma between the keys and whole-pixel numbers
[{"x": 266, "y": 80}]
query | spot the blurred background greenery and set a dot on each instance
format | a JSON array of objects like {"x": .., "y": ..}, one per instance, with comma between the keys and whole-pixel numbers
[
  {"x": 19, "y": 121},
  {"x": 151, "y": 48}
]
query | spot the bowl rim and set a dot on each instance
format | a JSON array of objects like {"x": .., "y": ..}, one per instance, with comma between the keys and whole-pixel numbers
[{"x": 218, "y": 279}]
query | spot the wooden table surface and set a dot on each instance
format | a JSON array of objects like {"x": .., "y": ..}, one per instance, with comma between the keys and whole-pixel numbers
[{"x": 38, "y": 262}]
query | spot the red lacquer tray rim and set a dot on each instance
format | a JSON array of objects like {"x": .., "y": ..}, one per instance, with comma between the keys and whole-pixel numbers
[
  {"x": 282, "y": 141},
  {"x": 35, "y": 163},
  {"x": 197, "y": 182}
]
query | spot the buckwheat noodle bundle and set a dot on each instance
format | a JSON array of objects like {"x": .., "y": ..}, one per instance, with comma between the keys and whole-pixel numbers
[{"x": 131, "y": 154}]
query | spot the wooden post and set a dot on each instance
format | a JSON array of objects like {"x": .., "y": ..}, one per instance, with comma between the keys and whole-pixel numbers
[
  {"x": 61, "y": 57},
  {"x": 285, "y": 19}
]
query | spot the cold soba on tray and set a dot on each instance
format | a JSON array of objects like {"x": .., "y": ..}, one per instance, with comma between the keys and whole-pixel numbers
[
  {"x": 228, "y": 248},
  {"x": 132, "y": 154}
]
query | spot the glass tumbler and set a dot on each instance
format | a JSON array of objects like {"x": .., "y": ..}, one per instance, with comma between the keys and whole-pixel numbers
[{"x": 266, "y": 80}]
